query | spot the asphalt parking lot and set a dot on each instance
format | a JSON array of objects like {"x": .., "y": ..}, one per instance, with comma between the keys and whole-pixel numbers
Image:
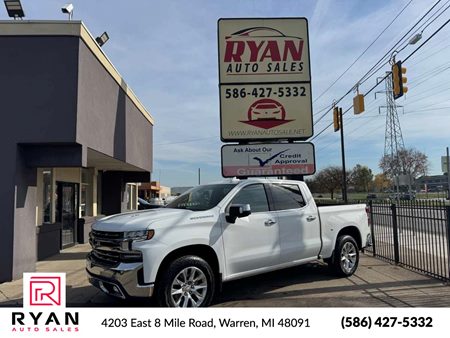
[{"x": 375, "y": 284}]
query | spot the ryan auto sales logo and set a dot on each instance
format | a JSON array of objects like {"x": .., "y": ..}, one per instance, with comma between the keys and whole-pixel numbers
[
  {"x": 44, "y": 299},
  {"x": 266, "y": 114},
  {"x": 263, "y": 50},
  {"x": 44, "y": 289}
]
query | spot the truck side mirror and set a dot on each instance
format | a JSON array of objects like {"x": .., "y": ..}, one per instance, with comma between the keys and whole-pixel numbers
[{"x": 238, "y": 211}]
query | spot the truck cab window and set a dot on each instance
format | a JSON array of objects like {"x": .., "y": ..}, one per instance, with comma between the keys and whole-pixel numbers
[
  {"x": 255, "y": 195},
  {"x": 287, "y": 196}
]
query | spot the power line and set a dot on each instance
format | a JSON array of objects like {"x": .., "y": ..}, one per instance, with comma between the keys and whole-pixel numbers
[
  {"x": 365, "y": 50},
  {"x": 442, "y": 12},
  {"x": 371, "y": 71},
  {"x": 384, "y": 78},
  {"x": 363, "y": 79}
]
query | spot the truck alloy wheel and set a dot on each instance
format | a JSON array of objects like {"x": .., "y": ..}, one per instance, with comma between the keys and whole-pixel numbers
[
  {"x": 346, "y": 256},
  {"x": 187, "y": 281},
  {"x": 189, "y": 288}
]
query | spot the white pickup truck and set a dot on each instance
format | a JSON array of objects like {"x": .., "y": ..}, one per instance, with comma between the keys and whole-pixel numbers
[{"x": 215, "y": 233}]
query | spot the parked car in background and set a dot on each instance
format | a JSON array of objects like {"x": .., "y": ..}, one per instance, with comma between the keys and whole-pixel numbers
[
  {"x": 214, "y": 233},
  {"x": 169, "y": 199},
  {"x": 144, "y": 205},
  {"x": 403, "y": 196},
  {"x": 371, "y": 196},
  {"x": 156, "y": 201},
  {"x": 408, "y": 196}
]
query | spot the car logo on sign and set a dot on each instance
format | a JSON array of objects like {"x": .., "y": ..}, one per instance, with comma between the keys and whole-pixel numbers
[{"x": 266, "y": 114}]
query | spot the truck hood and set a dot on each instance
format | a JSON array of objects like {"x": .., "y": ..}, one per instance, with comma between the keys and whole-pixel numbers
[{"x": 141, "y": 220}]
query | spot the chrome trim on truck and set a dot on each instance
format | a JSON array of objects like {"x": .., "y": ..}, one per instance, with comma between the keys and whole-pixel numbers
[{"x": 121, "y": 281}]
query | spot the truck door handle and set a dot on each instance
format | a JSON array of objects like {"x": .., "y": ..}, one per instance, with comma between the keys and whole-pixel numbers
[
  {"x": 310, "y": 218},
  {"x": 270, "y": 222}
]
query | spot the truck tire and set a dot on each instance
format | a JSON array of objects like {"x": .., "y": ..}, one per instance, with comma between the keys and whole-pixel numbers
[
  {"x": 187, "y": 281},
  {"x": 345, "y": 258}
]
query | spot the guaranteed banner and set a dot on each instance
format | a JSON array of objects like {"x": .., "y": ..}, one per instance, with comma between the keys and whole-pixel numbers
[
  {"x": 265, "y": 80},
  {"x": 268, "y": 159}
]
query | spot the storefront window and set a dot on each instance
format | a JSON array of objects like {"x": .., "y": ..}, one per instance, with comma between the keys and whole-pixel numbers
[
  {"x": 130, "y": 197},
  {"x": 47, "y": 196},
  {"x": 86, "y": 193}
]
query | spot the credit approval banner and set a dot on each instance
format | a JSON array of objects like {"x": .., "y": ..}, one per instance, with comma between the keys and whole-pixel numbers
[{"x": 268, "y": 159}]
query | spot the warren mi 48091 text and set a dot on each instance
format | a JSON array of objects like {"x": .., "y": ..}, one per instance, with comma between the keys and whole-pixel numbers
[{"x": 209, "y": 323}]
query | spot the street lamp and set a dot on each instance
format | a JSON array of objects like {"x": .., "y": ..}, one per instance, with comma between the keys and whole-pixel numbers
[
  {"x": 101, "y": 40},
  {"x": 414, "y": 39},
  {"x": 14, "y": 9}
]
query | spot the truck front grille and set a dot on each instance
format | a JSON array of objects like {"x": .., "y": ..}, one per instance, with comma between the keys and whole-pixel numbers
[
  {"x": 107, "y": 235},
  {"x": 113, "y": 258},
  {"x": 108, "y": 249}
]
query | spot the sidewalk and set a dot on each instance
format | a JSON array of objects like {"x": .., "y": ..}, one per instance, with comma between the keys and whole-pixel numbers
[{"x": 375, "y": 284}]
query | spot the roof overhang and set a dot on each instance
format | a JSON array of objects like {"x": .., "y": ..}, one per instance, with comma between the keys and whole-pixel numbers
[{"x": 72, "y": 28}]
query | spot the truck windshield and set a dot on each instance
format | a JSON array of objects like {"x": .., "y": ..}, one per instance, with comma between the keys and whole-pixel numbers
[{"x": 201, "y": 198}]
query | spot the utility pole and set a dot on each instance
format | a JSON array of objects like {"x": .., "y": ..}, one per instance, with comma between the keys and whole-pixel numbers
[
  {"x": 344, "y": 171},
  {"x": 198, "y": 176},
  {"x": 338, "y": 122}
]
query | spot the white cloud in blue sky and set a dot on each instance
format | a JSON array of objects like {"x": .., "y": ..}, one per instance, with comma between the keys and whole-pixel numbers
[{"x": 167, "y": 52}]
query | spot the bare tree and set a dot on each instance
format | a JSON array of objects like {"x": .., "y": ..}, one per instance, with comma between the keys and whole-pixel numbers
[
  {"x": 329, "y": 180},
  {"x": 408, "y": 162}
]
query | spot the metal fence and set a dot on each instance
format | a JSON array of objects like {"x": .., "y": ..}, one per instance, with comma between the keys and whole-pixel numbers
[{"x": 414, "y": 234}]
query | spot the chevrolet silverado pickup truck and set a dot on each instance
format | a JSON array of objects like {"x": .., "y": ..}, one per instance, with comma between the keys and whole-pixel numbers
[{"x": 180, "y": 254}]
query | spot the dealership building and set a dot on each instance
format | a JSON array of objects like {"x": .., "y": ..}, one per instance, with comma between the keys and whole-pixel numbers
[{"x": 73, "y": 137}]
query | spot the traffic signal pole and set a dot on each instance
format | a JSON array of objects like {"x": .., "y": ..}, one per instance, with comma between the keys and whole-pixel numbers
[
  {"x": 344, "y": 172},
  {"x": 338, "y": 122}
]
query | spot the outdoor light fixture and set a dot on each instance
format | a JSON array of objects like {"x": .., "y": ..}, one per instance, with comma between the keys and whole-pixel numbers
[
  {"x": 415, "y": 38},
  {"x": 14, "y": 9},
  {"x": 68, "y": 9},
  {"x": 101, "y": 40}
]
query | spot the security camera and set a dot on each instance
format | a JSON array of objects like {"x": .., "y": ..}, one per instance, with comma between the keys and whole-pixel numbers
[{"x": 68, "y": 9}]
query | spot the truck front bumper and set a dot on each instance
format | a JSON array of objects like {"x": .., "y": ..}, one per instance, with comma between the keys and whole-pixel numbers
[{"x": 122, "y": 281}]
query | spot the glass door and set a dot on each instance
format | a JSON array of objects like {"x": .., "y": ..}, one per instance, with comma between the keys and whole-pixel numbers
[{"x": 67, "y": 211}]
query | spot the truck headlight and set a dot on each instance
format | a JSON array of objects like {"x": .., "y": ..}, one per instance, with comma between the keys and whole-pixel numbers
[{"x": 141, "y": 235}]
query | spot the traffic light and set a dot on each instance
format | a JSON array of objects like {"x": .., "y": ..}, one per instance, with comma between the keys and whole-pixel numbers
[
  {"x": 358, "y": 104},
  {"x": 399, "y": 80},
  {"x": 336, "y": 119}
]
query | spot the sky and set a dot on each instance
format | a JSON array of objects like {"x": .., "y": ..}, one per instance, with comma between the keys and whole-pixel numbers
[{"x": 167, "y": 53}]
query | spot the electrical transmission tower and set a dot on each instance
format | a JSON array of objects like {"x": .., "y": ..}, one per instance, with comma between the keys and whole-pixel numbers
[{"x": 393, "y": 139}]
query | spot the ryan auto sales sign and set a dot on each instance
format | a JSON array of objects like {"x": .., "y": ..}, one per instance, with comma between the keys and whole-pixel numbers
[
  {"x": 268, "y": 159},
  {"x": 265, "y": 80}
]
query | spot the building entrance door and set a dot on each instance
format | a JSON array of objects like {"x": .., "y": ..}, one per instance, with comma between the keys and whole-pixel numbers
[{"x": 67, "y": 211}]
